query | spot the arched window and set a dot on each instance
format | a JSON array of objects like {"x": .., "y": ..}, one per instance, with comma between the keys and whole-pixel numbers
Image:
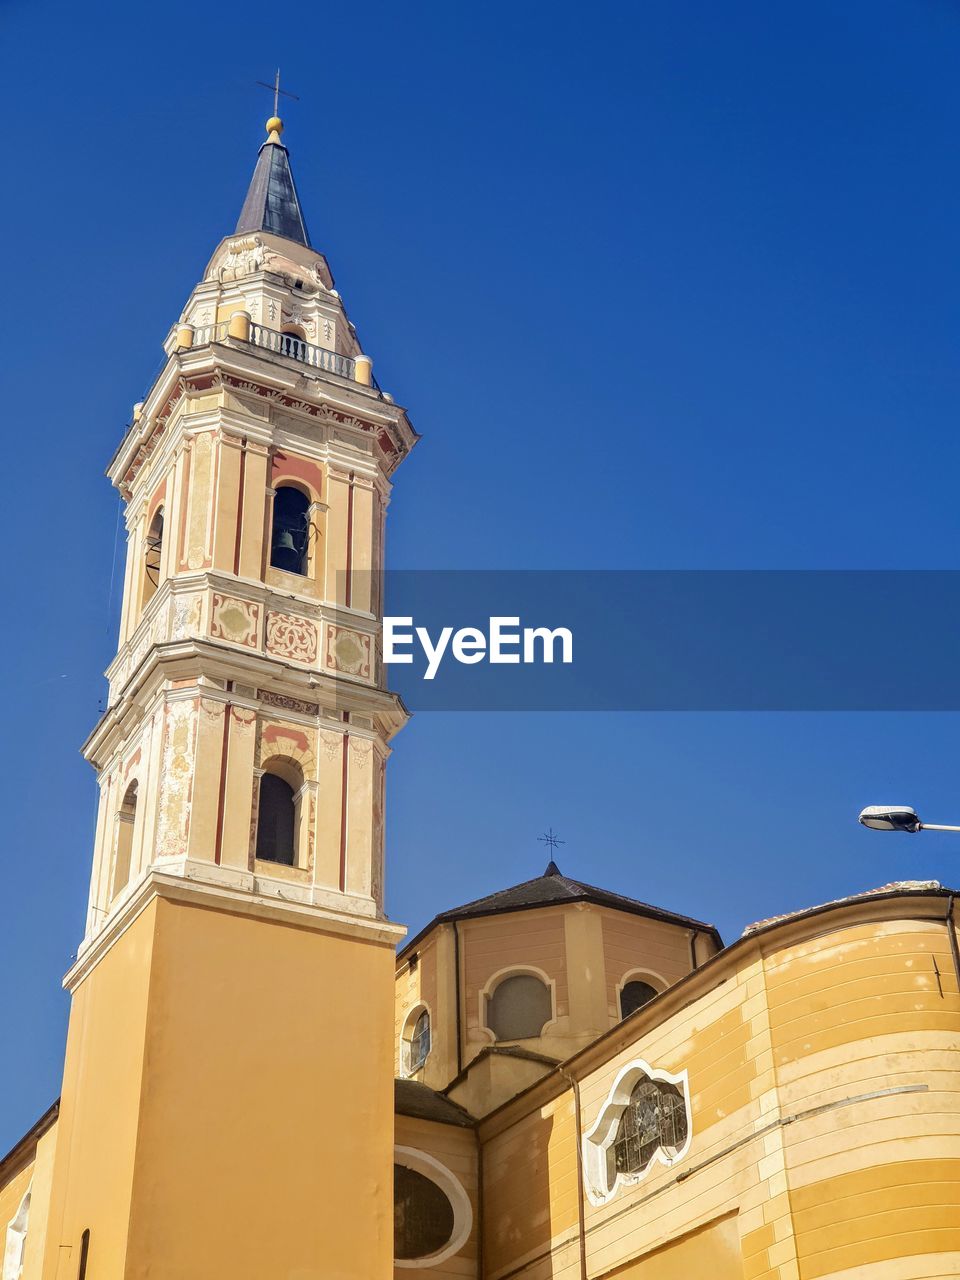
[
  {"x": 291, "y": 525},
  {"x": 655, "y": 1116},
  {"x": 519, "y": 1007},
  {"x": 126, "y": 819},
  {"x": 152, "y": 549},
  {"x": 416, "y": 1043},
  {"x": 423, "y": 1218},
  {"x": 635, "y": 994},
  {"x": 277, "y": 821}
]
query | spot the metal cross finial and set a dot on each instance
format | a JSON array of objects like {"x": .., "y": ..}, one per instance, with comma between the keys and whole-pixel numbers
[
  {"x": 551, "y": 839},
  {"x": 277, "y": 91}
]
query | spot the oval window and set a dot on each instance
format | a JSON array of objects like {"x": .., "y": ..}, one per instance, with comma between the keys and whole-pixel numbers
[{"x": 423, "y": 1217}]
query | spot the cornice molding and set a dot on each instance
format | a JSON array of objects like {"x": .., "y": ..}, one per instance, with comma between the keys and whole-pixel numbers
[{"x": 220, "y": 890}]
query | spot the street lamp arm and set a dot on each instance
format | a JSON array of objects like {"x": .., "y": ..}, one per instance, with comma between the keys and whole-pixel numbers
[{"x": 897, "y": 817}]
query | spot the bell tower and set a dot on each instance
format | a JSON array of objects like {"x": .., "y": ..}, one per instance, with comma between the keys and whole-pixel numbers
[{"x": 227, "y": 1103}]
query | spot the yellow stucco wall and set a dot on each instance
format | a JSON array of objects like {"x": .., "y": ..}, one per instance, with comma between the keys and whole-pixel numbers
[
  {"x": 456, "y": 1149},
  {"x": 229, "y": 1109},
  {"x": 825, "y": 1094},
  {"x": 710, "y": 1253},
  {"x": 100, "y": 1108}
]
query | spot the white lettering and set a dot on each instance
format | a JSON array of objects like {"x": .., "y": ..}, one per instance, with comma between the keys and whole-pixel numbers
[
  {"x": 532, "y": 634},
  {"x": 504, "y": 643},
  {"x": 499, "y": 637},
  {"x": 469, "y": 646},
  {"x": 434, "y": 652},
  {"x": 392, "y": 637}
]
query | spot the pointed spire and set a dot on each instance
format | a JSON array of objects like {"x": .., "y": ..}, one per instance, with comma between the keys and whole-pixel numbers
[
  {"x": 552, "y": 869},
  {"x": 272, "y": 203}
]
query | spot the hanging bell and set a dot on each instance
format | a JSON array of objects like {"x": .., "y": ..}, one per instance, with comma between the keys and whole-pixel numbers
[{"x": 285, "y": 554}]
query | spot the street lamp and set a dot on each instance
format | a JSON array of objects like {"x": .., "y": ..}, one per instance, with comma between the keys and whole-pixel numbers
[{"x": 897, "y": 817}]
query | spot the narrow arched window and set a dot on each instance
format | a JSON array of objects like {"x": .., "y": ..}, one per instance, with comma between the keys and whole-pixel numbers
[
  {"x": 655, "y": 1116},
  {"x": 276, "y": 821},
  {"x": 634, "y": 995},
  {"x": 519, "y": 1007},
  {"x": 419, "y": 1043},
  {"x": 152, "y": 550},
  {"x": 291, "y": 524},
  {"x": 84, "y": 1254},
  {"x": 126, "y": 820}
]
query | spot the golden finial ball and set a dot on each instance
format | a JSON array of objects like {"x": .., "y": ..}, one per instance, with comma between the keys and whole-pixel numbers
[{"x": 274, "y": 125}]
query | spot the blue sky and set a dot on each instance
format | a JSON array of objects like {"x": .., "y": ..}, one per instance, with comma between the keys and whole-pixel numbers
[{"x": 663, "y": 286}]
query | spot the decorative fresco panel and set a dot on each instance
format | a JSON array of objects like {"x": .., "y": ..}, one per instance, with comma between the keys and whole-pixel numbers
[
  {"x": 235, "y": 620},
  {"x": 291, "y": 637},
  {"x": 349, "y": 652}
]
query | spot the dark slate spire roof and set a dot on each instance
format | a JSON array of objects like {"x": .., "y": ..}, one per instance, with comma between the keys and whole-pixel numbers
[
  {"x": 553, "y": 888},
  {"x": 272, "y": 203}
]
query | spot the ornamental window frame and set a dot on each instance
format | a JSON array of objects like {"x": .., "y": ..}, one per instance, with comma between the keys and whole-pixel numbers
[
  {"x": 602, "y": 1181},
  {"x": 653, "y": 979},
  {"x": 451, "y": 1186},
  {"x": 496, "y": 980}
]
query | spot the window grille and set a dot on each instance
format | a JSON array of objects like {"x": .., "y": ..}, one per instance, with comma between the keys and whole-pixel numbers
[
  {"x": 423, "y": 1218},
  {"x": 654, "y": 1117}
]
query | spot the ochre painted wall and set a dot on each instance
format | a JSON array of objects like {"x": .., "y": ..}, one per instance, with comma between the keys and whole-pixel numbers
[
  {"x": 711, "y": 1253},
  {"x": 857, "y": 1014},
  {"x": 100, "y": 1108},
  {"x": 40, "y": 1204},
  {"x": 456, "y": 1149},
  {"x": 241, "y": 1101},
  {"x": 530, "y": 1188}
]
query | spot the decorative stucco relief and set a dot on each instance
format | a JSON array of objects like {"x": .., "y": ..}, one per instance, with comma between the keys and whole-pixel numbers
[
  {"x": 242, "y": 259},
  {"x": 185, "y": 617},
  {"x": 244, "y": 719},
  {"x": 288, "y": 704}
]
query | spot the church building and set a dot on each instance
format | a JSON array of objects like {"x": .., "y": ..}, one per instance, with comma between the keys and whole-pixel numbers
[{"x": 264, "y": 1080}]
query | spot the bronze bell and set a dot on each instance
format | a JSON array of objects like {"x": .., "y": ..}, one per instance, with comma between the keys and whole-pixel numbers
[{"x": 286, "y": 554}]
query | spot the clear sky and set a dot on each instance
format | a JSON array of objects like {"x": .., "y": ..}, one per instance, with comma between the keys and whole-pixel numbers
[{"x": 663, "y": 285}]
